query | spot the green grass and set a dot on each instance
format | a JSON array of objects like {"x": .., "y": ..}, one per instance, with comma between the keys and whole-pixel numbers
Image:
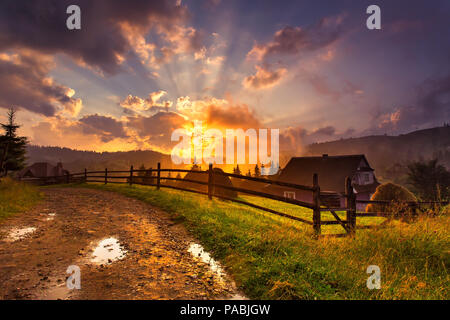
[
  {"x": 16, "y": 197},
  {"x": 272, "y": 257}
]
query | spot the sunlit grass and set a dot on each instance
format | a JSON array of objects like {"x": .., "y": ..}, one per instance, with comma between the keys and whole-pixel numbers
[
  {"x": 16, "y": 197},
  {"x": 272, "y": 257}
]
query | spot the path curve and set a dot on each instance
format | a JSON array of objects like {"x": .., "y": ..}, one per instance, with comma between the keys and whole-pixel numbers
[{"x": 69, "y": 223}]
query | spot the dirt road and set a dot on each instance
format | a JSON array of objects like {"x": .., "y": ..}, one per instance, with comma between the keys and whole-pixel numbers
[{"x": 146, "y": 255}]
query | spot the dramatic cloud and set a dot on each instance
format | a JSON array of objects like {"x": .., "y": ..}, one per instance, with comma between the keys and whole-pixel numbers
[
  {"x": 152, "y": 103},
  {"x": 25, "y": 83},
  {"x": 264, "y": 78},
  {"x": 92, "y": 132},
  {"x": 232, "y": 116},
  {"x": 105, "y": 127},
  {"x": 101, "y": 42},
  {"x": 294, "y": 40},
  {"x": 157, "y": 129},
  {"x": 431, "y": 109}
]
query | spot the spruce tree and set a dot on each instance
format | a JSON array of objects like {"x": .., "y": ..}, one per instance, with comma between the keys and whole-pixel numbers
[
  {"x": 12, "y": 147},
  {"x": 257, "y": 172}
]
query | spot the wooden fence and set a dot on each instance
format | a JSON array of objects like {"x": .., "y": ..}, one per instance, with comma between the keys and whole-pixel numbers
[{"x": 349, "y": 224}]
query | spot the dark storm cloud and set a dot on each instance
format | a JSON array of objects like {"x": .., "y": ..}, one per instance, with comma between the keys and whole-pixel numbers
[
  {"x": 432, "y": 108},
  {"x": 326, "y": 131},
  {"x": 294, "y": 40},
  {"x": 41, "y": 25},
  {"x": 24, "y": 83}
]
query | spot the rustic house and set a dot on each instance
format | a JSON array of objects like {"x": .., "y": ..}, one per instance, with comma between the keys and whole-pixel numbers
[
  {"x": 332, "y": 172},
  {"x": 42, "y": 170}
]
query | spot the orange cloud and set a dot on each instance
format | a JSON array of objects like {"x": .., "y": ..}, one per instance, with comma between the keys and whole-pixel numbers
[
  {"x": 151, "y": 103},
  {"x": 264, "y": 78}
]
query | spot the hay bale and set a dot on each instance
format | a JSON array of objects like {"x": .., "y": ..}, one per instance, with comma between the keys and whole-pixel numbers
[
  {"x": 394, "y": 193},
  {"x": 203, "y": 177}
]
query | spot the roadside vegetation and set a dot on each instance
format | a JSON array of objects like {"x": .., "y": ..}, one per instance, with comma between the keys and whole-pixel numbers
[
  {"x": 16, "y": 197},
  {"x": 272, "y": 257}
]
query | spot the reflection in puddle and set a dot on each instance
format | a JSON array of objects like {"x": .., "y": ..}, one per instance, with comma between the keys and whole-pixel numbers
[
  {"x": 108, "y": 251},
  {"x": 199, "y": 252},
  {"x": 51, "y": 216},
  {"x": 17, "y": 234}
]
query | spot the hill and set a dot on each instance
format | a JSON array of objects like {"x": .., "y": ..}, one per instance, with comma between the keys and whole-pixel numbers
[
  {"x": 389, "y": 155},
  {"x": 76, "y": 160}
]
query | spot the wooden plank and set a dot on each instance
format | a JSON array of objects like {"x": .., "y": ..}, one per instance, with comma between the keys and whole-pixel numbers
[
  {"x": 316, "y": 205},
  {"x": 265, "y": 209},
  {"x": 351, "y": 207},
  {"x": 279, "y": 183},
  {"x": 335, "y": 222},
  {"x": 267, "y": 195},
  {"x": 210, "y": 181},
  {"x": 333, "y": 209},
  {"x": 158, "y": 177}
]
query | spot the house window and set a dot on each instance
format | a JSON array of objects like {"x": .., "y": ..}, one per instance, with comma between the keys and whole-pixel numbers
[
  {"x": 289, "y": 194},
  {"x": 366, "y": 177}
]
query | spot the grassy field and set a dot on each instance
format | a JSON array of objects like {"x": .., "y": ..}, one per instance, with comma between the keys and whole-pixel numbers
[
  {"x": 16, "y": 197},
  {"x": 271, "y": 257}
]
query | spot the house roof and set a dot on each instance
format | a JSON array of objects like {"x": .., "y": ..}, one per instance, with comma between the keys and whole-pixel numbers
[{"x": 332, "y": 170}]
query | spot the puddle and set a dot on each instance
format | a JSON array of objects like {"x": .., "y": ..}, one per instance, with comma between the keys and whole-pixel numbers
[
  {"x": 107, "y": 251},
  {"x": 50, "y": 217},
  {"x": 57, "y": 292},
  {"x": 19, "y": 233},
  {"x": 199, "y": 252}
]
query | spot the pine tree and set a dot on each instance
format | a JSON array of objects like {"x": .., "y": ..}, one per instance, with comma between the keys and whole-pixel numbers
[
  {"x": 248, "y": 174},
  {"x": 238, "y": 170},
  {"x": 12, "y": 147},
  {"x": 257, "y": 172}
]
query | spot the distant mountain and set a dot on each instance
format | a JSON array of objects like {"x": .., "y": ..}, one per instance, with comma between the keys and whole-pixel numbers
[
  {"x": 389, "y": 155},
  {"x": 76, "y": 161}
]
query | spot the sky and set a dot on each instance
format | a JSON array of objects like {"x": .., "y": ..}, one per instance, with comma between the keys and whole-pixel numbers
[{"x": 138, "y": 70}]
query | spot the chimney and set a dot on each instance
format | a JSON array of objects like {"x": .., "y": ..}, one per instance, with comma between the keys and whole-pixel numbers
[{"x": 325, "y": 155}]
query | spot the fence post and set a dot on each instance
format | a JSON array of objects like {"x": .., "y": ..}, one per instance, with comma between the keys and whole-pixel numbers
[
  {"x": 210, "y": 181},
  {"x": 131, "y": 175},
  {"x": 106, "y": 175},
  {"x": 351, "y": 206},
  {"x": 67, "y": 177},
  {"x": 158, "y": 177},
  {"x": 316, "y": 203},
  {"x": 85, "y": 175}
]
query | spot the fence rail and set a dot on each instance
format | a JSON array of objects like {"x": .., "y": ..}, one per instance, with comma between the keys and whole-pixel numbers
[{"x": 349, "y": 224}]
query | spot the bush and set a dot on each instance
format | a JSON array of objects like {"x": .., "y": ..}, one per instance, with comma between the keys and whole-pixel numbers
[{"x": 391, "y": 192}]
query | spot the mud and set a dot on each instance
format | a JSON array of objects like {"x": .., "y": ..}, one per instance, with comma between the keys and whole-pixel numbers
[{"x": 141, "y": 252}]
